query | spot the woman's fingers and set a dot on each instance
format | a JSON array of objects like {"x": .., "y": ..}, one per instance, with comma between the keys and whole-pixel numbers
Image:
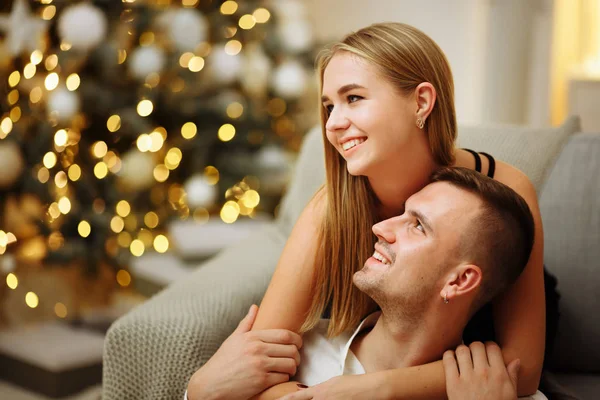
[
  {"x": 494, "y": 355},
  {"x": 282, "y": 365},
  {"x": 465, "y": 363},
  {"x": 283, "y": 351},
  {"x": 279, "y": 336},
  {"x": 450, "y": 366},
  {"x": 480, "y": 359}
]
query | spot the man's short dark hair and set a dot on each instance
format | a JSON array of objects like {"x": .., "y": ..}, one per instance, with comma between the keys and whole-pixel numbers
[{"x": 501, "y": 237}]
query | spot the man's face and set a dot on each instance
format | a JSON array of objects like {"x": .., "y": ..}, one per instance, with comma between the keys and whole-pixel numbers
[{"x": 417, "y": 249}]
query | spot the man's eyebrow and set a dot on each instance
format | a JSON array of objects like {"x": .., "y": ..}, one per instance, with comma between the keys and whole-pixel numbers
[
  {"x": 344, "y": 89},
  {"x": 424, "y": 220}
]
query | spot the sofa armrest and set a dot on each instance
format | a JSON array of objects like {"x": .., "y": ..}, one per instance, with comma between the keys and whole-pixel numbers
[{"x": 151, "y": 352}]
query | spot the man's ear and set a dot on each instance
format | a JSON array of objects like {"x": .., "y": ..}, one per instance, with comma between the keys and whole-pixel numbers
[
  {"x": 463, "y": 280},
  {"x": 425, "y": 95}
]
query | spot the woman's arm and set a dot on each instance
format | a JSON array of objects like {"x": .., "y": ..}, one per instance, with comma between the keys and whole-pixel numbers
[
  {"x": 520, "y": 312},
  {"x": 288, "y": 296}
]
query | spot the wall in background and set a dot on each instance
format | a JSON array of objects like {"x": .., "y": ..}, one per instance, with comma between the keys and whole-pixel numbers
[{"x": 499, "y": 51}]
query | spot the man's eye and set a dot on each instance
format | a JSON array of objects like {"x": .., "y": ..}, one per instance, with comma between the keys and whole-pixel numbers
[{"x": 419, "y": 226}]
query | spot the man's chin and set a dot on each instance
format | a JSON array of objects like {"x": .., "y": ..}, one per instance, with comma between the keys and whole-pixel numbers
[{"x": 366, "y": 279}]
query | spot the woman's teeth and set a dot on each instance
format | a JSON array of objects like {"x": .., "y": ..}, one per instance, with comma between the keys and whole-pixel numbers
[
  {"x": 351, "y": 143},
  {"x": 378, "y": 256}
]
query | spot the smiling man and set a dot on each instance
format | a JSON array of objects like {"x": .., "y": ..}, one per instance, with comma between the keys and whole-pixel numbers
[{"x": 462, "y": 240}]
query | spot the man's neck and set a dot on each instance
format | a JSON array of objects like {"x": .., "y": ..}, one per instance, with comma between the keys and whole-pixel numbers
[{"x": 393, "y": 343}]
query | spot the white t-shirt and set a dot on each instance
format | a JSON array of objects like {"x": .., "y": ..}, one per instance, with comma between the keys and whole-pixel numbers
[{"x": 324, "y": 358}]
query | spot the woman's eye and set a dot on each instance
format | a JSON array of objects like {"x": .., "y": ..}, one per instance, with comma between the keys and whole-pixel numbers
[
  {"x": 352, "y": 98},
  {"x": 329, "y": 109}
]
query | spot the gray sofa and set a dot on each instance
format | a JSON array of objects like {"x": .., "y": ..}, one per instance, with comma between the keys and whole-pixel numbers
[{"x": 151, "y": 352}]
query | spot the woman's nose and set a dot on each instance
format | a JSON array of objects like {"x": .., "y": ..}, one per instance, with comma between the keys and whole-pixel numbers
[{"x": 337, "y": 120}]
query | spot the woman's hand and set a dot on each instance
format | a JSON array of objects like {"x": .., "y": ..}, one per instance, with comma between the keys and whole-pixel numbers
[
  {"x": 247, "y": 363},
  {"x": 478, "y": 372}
]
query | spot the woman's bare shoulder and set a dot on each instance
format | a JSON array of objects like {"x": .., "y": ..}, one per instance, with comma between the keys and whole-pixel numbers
[{"x": 516, "y": 179}]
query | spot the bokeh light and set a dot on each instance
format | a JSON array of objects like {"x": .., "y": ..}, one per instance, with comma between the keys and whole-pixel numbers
[
  {"x": 12, "y": 281},
  {"x": 137, "y": 248},
  {"x": 73, "y": 82},
  {"x": 161, "y": 243},
  {"x": 123, "y": 208},
  {"x": 74, "y": 172},
  {"x": 32, "y": 300},
  {"x": 229, "y": 7},
  {"x": 261, "y": 15},
  {"x": 145, "y": 108},
  {"x": 123, "y": 278},
  {"x": 60, "y": 310},
  {"x": 226, "y": 132},
  {"x": 247, "y": 21},
  {"x": 84, "y": 229},
  {"x": 230, "y": 212},
  {"x": 51, "y": 81},
  {"x": 114, "y": 123},
  {"x": 189, "y": 130},
  {"x": 49, "y": 160}
]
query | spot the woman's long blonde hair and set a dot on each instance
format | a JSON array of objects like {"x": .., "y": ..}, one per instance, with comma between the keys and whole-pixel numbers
[{"x": 405, "y": 57}]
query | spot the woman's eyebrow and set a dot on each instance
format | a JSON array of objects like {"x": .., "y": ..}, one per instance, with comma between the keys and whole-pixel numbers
[{"x": 344, "y": 89}]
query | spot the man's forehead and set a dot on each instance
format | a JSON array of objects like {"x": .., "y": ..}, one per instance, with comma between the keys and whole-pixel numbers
[{"x": 442, "y": 200}]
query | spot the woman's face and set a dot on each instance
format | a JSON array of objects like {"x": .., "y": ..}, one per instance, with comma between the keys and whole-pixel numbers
[{"x": 370, "y": 123}]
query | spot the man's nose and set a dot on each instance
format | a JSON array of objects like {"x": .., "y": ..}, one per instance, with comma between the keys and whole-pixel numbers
[
  {"x": 337, "y": 120},
  {"x": 385, "y": 230}
]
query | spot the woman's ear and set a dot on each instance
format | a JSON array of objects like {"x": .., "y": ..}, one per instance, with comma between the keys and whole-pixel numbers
[{"x": 425, "y": 95}]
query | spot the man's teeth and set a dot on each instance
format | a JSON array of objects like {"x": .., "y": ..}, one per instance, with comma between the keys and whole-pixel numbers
[
  {"x": 378, "y": 256},
  {"x": 351, "y": 143}
]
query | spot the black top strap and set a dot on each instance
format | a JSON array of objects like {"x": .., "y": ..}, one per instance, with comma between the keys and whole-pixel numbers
[
  {"x": 492, "y": 167},
  {"x": 477, "y": 159}
]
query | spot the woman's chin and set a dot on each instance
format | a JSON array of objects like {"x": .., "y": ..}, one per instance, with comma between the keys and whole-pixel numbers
[{"x": 356, "y": 169}]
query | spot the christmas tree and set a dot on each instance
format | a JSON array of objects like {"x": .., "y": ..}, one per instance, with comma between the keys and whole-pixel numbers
[{"x": 118, "y": 117}]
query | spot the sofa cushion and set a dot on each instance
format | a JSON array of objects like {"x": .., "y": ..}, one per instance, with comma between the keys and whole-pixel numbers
[
  {"x": 582, "y": 386},
  {"x": 570, "y": 206},
  {"x": 532, "y": 150}
]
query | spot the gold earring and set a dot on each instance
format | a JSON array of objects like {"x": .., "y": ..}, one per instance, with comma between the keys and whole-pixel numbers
[
  {"x": 445, "y": 298},
  {"x": 420, "y": 123}
]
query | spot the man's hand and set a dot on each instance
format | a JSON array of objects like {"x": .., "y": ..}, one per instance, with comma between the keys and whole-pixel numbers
[
  {"x": 355, "y": 387},
  {"x": 247, "y": 363},
  {"x": 478, "y": 372}
]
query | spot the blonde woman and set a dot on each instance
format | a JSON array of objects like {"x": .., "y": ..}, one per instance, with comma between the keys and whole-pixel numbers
[{"x": 389, "y": 121}]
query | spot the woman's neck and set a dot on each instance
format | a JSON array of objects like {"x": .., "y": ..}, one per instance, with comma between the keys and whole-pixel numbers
[{"x": 404, "y": 179}]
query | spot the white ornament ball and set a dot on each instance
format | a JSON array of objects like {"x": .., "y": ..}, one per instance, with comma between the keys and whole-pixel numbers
[
  {"x": 225, "y": 68},
  {"x": 11, "y": 163},
  {"x": 199, "y": 192},
  {"x": 63, "y": 104},
  {"x": 272, "y": 158},
  {"x": 188, "y": 28},
  {"x": 137, "y": 171},
  {"x": 82, "y": 25},
  {"x": 256, "y": 71},
  {"x": 147, "y": 60},
  {"x": 290, "y": 80},
  {"x": 296, "y": 35}
]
